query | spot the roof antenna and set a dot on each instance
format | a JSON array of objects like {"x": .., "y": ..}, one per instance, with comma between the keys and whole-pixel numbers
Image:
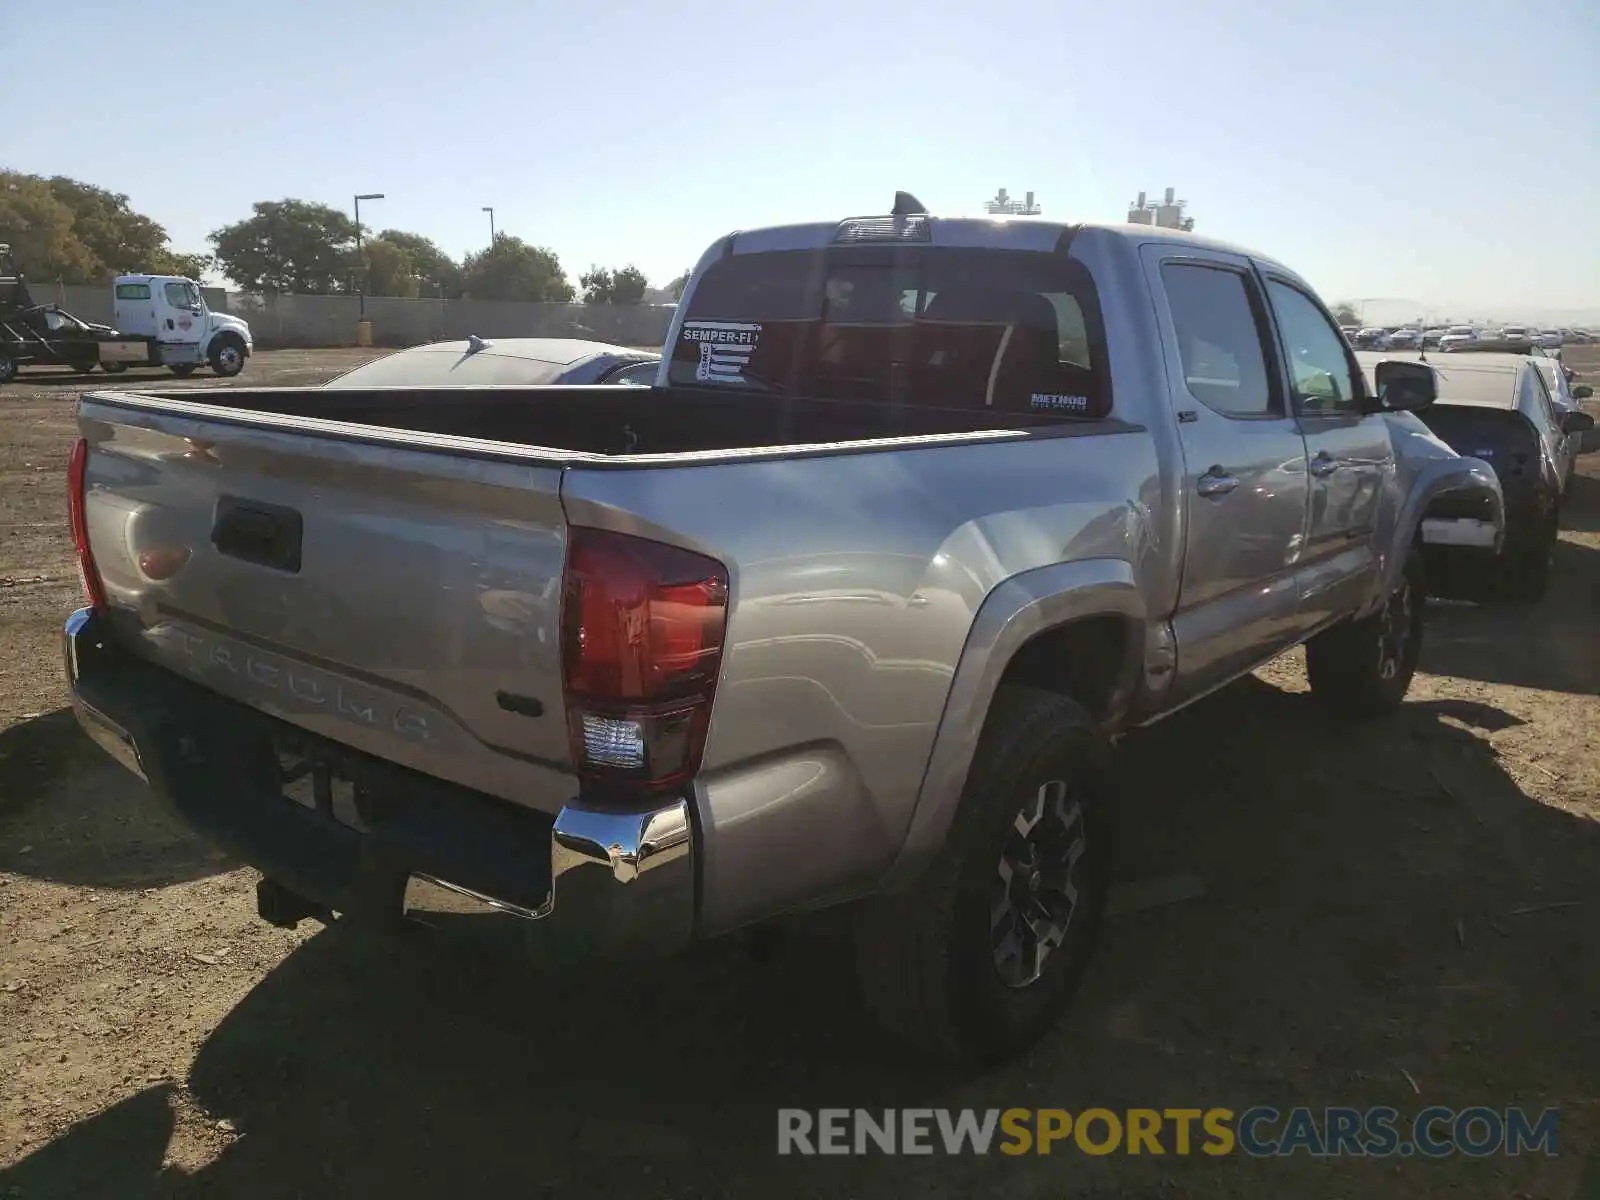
[{"x": 907, "y": 205}]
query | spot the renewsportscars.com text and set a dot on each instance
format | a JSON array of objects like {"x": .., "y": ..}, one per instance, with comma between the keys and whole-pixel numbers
[{"x": 1259, "y": 1132}]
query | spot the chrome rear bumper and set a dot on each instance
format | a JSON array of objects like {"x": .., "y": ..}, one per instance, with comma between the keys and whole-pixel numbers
[
  {"x": 617, "y": 880},
  {"x": 592, "y": 882}
]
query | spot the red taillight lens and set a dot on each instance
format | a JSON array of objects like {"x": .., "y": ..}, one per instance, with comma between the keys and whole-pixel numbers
[
  {"x": 641, "y": 646},
  {"x": 77, "y": 517}
]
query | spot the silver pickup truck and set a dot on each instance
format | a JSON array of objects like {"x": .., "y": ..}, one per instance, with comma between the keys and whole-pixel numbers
[{"x": 848, "y": 608}]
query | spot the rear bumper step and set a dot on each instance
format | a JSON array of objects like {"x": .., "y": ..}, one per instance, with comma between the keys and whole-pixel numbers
[{"x": 588, "y": 882}]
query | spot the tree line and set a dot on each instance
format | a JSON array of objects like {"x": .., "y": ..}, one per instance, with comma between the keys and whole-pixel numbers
[{"x": 61, "y": 229}]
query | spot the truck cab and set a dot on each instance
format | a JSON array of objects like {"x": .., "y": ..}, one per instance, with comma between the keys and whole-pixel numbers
[{"x": 171, "y": 313}]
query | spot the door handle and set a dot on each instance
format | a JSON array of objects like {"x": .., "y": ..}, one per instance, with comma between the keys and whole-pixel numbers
[
  {"x": 1324, "y": 465},
  {"x": 1216, "y": 482}
]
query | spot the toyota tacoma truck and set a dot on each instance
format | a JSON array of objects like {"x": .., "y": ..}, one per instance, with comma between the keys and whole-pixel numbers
[{"x": 847, "y": 608}]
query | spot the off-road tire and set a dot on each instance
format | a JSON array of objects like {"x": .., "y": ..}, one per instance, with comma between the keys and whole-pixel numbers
[
  {"x": 925, "y": 957},
  {"x": 8, "y": 368},
  {"x": 1348, "y": 666}
]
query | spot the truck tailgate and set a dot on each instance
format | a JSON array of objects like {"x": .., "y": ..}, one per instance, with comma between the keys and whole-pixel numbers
[{"x": 404, "y": 602}]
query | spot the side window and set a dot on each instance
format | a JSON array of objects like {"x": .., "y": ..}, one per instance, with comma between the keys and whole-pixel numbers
[
  {"x": 1319, "y": 364},
  {"x": 1538, "y": 397},
  {"x": 133, "y": 291},
  {"x": 1219, "y": 341},
  {"x": 178, "y": 295}
]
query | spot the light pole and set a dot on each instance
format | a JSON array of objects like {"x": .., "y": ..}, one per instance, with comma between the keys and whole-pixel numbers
[
  {"x": 489, "y": 208},
  {"x": 361, "y": 260}
]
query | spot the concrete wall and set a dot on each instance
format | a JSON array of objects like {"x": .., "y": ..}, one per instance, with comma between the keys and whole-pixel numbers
[{"x": 305, "y": 322}]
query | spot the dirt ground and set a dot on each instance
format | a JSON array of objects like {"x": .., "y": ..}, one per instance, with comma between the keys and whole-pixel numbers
[{"x": 1398, "y": 913}]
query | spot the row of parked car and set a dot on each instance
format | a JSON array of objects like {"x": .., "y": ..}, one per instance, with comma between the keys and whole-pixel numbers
[{"x": 1453, "y": 337}]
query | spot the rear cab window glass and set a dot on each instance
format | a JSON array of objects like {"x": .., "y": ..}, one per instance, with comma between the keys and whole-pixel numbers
[
  {"x": 950, "y": 328},
  {"x": 133, "y": 291}
]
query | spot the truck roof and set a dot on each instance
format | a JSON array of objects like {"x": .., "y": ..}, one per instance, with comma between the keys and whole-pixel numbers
[{"x": 999, "y": 233}]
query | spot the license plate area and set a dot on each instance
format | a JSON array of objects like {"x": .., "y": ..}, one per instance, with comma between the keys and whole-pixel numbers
[{"x": 330, "y": 784}]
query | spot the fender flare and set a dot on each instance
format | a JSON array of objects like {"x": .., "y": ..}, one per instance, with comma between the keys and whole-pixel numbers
[
  {"x": 1015, "y": 612},
  {"x": 1439, "y": 477}
]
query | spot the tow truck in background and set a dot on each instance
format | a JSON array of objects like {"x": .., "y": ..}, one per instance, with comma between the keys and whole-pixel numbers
[{"x": 161, "y": 321}]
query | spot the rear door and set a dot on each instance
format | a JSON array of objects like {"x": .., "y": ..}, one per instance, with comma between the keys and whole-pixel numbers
[
  {"x": 1245, "y": 484},
  {"x": 1350, "y": 453}
]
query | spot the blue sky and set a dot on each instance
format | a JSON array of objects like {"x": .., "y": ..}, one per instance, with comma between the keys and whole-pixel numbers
[{"x": 1443, "y": 153}]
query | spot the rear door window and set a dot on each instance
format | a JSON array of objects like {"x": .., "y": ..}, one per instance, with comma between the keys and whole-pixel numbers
[
  {"x": 1219, "y": 339},
  {"x": 933, "y": 327}
]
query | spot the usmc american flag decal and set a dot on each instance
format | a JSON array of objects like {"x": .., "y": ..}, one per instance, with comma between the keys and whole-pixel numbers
[{"x": 725, "y": 349}]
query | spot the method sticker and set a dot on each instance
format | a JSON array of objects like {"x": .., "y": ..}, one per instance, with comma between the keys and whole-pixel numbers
[
  {"x": 1070, "y": 403},
  {"x": 725, "y": 349}
]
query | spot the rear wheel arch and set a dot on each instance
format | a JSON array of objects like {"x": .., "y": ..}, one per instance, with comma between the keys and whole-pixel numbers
[
  {"x": 1085, "y": 659},
  {"x": 1073, "y": 629}
]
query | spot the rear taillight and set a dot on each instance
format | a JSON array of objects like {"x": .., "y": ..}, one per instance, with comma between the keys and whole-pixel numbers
[
  {"x": 77, "y": 517},
  {"x": 641, "y": 645}
]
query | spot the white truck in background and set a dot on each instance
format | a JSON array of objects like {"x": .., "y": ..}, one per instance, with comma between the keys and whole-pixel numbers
[{"x": 162, "y": 320}]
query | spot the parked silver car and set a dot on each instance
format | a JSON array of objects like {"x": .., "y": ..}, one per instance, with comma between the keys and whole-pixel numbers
[{"x": 504, "y": 361}]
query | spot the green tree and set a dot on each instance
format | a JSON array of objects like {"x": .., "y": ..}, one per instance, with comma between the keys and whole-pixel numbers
[
  {"x": 38, "y": 228},
  {"x": 63, "y": 229},
  {"x": 289, "y": 246},
  {"x": 120, "y": 239},
  {"x": 437, "y": 273},
  {"x": 170, "y": 262},
  {"x": 601, "y": 286},
  {"x": 677, "y": 285},
  {"x": 1345, "y": 314},
  {"x": 390, "y": 269},
  {"x": 513, "y": 270}
]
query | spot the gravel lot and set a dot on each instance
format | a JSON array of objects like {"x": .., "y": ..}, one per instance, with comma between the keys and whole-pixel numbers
[{"x": 1397, "y": 913}]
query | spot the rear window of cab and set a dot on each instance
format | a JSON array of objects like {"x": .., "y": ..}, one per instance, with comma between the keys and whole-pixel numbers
[{"x": 1011, "y": 331}]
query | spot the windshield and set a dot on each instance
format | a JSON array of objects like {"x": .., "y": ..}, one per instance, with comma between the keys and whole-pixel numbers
[{"x": 948, "y": 328}]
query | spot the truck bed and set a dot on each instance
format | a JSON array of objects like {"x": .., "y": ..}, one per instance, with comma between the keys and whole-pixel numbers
[
  {"x": 384, "y": 568},
  {"x": 599, "y": 420}
]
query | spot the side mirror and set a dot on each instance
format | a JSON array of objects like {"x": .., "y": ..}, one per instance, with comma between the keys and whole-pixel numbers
[
  {"x": 1405, "y": 386},
  {"x": 1582, "y": 392},
  {"x": 1576, "y": 422}
]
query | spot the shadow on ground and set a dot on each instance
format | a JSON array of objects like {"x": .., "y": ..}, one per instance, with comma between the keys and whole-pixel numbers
[
  {"x": 69, "y": 814},
  {"x": 1553, "y": 645},
  {"x": 1360, "y": 927}
]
